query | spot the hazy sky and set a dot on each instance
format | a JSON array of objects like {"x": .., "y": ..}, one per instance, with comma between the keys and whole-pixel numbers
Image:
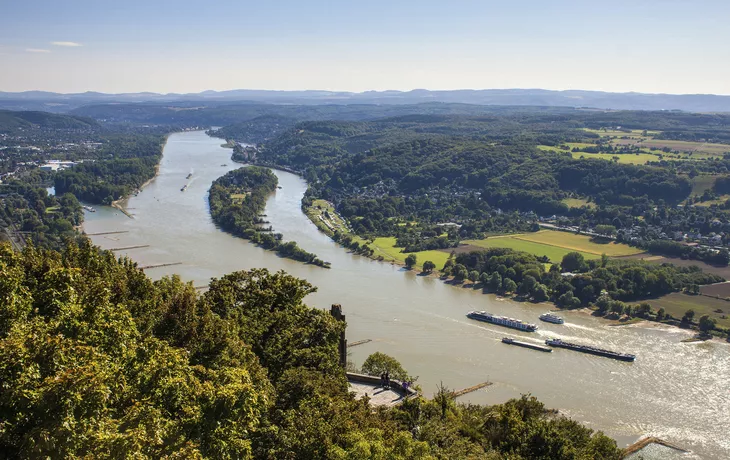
[{"x": 189, "y": 46}]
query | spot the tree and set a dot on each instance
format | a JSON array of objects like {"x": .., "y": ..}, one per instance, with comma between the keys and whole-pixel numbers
[
  {"x": 540, "y": 293},
  {"x": 378, "y": 362},
  {"x": 495, "y": 282},
  {"x": 484, "y": 279},
  {"x": 410, "y": 261},
  {"x": 573, "y": 262},
  {"x": 688, "y": 316},
  {"x": 707, "y": 324},
  {"x": 429, "y": 266},
  {"x": 605, "y": 230},
  {"x": 527, "y": 285},
  {"x": 508, "y": 285},
  {"x": 473, "y": 276},
  {"x": 660, "y": 314},
  {"x": 643, "y": 310}
]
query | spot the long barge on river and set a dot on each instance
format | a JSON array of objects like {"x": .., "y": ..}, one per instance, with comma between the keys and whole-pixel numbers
[
  {"x": 591, "y": 350},
  {"x": 532, "y": 346},
  {"x": 502, "y": 321}
]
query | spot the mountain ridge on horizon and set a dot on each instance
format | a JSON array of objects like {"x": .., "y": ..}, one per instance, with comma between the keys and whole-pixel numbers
[{"x": 61, "y": 102}]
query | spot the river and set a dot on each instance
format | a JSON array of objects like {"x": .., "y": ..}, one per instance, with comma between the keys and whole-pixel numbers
[{"x": 675, "y": 391}]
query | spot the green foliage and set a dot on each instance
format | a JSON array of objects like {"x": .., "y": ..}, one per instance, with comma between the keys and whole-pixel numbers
[
  {"x": 429, "y": 266},
  {"x": 241, "y": 216},
  {"x": 411, "y": 261},
  {"x": 378, "y": 362},
  {"x": 134, "y": 162},
  {"x": 97, "y": 361}
]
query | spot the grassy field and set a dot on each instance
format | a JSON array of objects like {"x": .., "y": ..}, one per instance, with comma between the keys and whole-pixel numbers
[
  {"x": 385, "y": 247},
  {"x": 719, "y": 200},
  {"x": 554, "y": 253},
  {"x": 677, "y": 303},
  {"x": 577, "y": 203},
  {"x": 702, "y": 182},
  {"x": 581, "y": 243},
  {"x": 625, "y": 158}
]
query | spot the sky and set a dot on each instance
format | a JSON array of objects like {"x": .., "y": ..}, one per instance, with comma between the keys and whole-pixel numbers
[{"x": 652, "y": 46}]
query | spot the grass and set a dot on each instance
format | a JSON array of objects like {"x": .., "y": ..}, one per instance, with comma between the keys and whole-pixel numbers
[
  {"x": 702, "y": 182},
  {"x": 581, "y": 243},
  {"x": 718, "y": 201},
  {"x": 554, "y": 253},
  {"x": 625, "y": 158},
  {"x": 676, "y": 304},
  {"x": 385, "y": 246},
  {"x": 578, "y": 203}
]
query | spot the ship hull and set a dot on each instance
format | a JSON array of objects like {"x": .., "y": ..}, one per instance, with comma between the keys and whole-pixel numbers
[
  {"x": 531, "y": 346},
  {"x": 487, "y": 320},
  {"x": 593, "y": 351}
]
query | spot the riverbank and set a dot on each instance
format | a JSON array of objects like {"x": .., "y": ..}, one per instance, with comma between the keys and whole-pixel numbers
[{"x": 327, "y": 220}]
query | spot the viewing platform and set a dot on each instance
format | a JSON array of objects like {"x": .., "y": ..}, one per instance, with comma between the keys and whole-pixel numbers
[{"x": 367, "y": 385}]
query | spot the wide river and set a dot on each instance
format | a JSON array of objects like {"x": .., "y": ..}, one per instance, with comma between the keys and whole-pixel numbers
[{"x": 676, "y": 391}]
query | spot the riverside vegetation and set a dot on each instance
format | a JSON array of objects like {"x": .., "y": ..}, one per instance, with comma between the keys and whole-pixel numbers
[
  {"x": 237, "y": 200},
  {"x": 99, "y": 361},
  {"x": 432, "y": 182}
]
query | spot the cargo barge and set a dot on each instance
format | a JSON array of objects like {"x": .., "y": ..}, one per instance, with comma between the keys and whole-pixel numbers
[
  {"x": 591, "y": 350},
  {"x": 531, "y": 346}
]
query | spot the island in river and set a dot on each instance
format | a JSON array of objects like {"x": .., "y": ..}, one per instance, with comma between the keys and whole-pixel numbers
[{"x": 237, "y": 200}]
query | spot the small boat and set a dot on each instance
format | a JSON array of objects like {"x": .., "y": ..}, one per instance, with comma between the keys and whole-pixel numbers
[
  {"x": 89, "y": 208},
  {"x": 551, "y": 318},
  {"x": 224, "y": 164},
  {"x": 189, "y": 176},
  {"x": 184, "y": 188},
  {"x": 532, "y": 346}
]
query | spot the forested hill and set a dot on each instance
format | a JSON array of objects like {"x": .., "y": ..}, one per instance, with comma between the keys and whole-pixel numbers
[
  {"x": 493, "y": 157},
  {"x": 10, "y": 120},
  {"x": 98, "y": 361},
  {"x": 522, "y": 97}
]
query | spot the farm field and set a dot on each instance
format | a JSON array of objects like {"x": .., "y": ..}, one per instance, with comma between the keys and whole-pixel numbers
[
  {"x": 720, "y": 200},
  {"x": 702, "y": 182},
  {"x": 517, "y": 242},
  {"x": 385, "y": 246},
  {"x": 581, "y": 243},
  {"x": 577, "y": 203},
  {"x": 625, "y": 158},
  {"x": 676, "y": 304},
  {"x": 716, "y": 290}
]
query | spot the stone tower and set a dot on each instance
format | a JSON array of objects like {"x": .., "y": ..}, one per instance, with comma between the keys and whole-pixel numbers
[{"x": 336, "y": 312}]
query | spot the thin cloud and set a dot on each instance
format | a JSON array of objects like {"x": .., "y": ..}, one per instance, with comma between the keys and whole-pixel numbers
[
  {"x": 37, "y": 50},
  {"x": 66, "y": 44}
]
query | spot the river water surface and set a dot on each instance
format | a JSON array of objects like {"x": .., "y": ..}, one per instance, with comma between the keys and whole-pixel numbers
[{"x": 676, "y": 391}]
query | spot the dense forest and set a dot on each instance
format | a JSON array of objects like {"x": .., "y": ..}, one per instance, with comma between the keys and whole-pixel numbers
[
  {"x": 98, "y": 361},
  {"x": 237, "y": 200},
  {"x": 432, "y": 169},
  {"x": 133, "y": 160}
]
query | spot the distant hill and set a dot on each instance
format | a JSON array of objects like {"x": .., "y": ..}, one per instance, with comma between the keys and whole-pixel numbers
[
  {"x": 10, "y": 120},
  {"x": 56, "y": 102}
]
